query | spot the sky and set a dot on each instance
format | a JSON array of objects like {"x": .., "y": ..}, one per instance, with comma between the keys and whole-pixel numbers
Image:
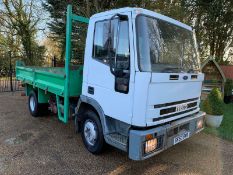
[{"x": 45, "y": 18}]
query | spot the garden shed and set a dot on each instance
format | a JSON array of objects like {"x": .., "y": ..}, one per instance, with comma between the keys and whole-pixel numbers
[
  {"x": 228, "y": 71},
  {"x": 214, "y": 77}
]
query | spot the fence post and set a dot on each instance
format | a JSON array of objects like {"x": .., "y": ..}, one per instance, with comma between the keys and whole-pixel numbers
[
  {"x": 11, "y": 83},
  {"x": 54, "y": 61}
]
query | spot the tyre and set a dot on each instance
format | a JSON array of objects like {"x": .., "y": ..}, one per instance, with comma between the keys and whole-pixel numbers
[
  {"x": 33, "y": 104},
  {"x": 92, "y": 133},
  {"x": 36, "y": 109}
]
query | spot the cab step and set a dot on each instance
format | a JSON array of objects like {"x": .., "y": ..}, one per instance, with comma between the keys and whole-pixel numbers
[{"x": 117, "y": 140}]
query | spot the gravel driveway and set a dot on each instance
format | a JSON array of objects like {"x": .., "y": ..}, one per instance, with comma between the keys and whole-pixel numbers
[{"x": 46, "y": 146}]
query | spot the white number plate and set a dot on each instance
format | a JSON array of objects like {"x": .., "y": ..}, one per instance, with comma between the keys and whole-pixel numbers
[{"x": 181, "y": 137}]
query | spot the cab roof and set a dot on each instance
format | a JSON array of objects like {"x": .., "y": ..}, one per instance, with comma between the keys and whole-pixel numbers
[{"x": 138, "y": 11}]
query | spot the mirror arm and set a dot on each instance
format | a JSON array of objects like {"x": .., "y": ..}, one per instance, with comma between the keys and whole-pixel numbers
[
  {"x": 110, "y": 44},
  {"x": 117, "y": 43}
]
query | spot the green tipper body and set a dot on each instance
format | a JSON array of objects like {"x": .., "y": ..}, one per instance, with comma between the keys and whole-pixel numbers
[
  {"x": 51, "y": 79},
  {"x": 62, "y": 82}
]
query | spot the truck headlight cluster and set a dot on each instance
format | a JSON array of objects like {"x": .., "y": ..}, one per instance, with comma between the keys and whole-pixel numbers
[
  {"x": 151, "y": 145},
  {"x": 200, "y": 124}
]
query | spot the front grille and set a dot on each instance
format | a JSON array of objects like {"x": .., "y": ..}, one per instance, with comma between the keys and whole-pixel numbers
[
  {"x": 194, "y": 77},
  {"x": 191, "y": 105},
  {"x": 173, "y": 109},
  {"x": 174, "y": 77},
  {"x": 174, "y": 103},
  {"x": 167, "y": 110},
  {"x": 172, "y": 115}
]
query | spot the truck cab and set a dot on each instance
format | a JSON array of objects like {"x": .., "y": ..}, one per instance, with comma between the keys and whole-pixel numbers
[{"x": 142, "y": 71}]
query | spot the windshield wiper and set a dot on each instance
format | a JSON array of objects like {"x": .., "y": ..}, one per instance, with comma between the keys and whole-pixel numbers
[
  {"x": 191, "y": 70},
  {"x": 172, "y": 69}
]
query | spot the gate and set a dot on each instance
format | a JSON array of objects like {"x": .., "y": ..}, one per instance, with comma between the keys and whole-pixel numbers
[{"x": 8, "y": 82}]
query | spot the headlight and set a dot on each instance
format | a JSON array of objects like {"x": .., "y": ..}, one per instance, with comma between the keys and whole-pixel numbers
[
  {"x": 200, "y": 124},
  {"x": 151, "y": 145}
]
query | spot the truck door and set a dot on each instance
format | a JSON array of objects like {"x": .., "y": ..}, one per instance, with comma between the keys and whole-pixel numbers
[{"x": 113, "y": 93}]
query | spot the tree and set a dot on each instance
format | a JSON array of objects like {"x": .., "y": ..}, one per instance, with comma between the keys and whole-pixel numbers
[
  {"x": 52, "y": 49},
  {"x": 230, "y": 56},
  {"x": 19, "y": 19},
  {"x": 213, "y": 22},
  {"x": 2, "y": 53},
  {"x": 174, "y": 9},
  {"x": 57, "y": 10},
  {"x": 9, "y": 43}
]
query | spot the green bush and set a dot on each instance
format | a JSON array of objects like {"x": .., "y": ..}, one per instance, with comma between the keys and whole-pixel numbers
[
  {"x": 213, "y": 104},
  {"x": 206, "y": 106},
  {"x": 228, "y": 87}
]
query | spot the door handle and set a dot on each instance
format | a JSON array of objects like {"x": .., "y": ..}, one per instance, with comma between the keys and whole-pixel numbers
[{"x": 91, "y": 90}]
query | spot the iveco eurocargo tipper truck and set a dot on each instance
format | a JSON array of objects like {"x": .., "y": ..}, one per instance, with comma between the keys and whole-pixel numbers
[{"x": 138, "y": 88}]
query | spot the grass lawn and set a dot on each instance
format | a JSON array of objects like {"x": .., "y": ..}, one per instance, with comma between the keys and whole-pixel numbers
[{"x": 225, "y": 131}]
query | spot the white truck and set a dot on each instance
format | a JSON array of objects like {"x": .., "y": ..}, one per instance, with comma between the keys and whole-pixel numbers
[{"x": 141, "y": 83}]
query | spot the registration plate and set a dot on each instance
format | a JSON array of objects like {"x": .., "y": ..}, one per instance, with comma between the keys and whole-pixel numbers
[{"x": 181, "y": 137}]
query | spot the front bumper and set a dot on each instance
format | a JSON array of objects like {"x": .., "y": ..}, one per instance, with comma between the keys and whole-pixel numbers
[{"x": 165, "y": 134}]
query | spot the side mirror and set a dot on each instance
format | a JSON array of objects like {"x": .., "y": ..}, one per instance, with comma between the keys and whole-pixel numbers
[{"x": 112, "y": 52}]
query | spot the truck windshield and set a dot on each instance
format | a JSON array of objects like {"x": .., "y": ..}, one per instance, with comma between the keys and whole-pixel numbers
[{"x": 165, "y": 47}]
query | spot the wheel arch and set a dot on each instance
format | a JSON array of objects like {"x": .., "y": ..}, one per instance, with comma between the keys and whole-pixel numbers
[
  {"x": 86, "y": 103},
  {"x": 29, "y": 88}
]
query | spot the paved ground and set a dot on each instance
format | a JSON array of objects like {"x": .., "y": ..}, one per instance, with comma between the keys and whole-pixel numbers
[{"x": 46, "y": 146}]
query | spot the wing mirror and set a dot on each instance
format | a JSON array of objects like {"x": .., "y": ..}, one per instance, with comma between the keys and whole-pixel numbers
[{"x": 115, "y": 69}]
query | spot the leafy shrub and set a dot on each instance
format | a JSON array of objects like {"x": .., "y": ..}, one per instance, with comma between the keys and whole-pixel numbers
[
  {"x": 213, "y": 104},
  {"x": 228, "y": 87},
  {"x": 206, "y": 106}
]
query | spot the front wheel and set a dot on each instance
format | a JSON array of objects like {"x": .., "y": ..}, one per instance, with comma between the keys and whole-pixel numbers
[{"x": 92, "y": 133}]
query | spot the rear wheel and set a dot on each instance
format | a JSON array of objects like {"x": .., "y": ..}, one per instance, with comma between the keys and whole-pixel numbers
[
  {"x": 92, "y": 133},
  {"x": 36, "y": 109},
  {"x": 33, "y": 104}
]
